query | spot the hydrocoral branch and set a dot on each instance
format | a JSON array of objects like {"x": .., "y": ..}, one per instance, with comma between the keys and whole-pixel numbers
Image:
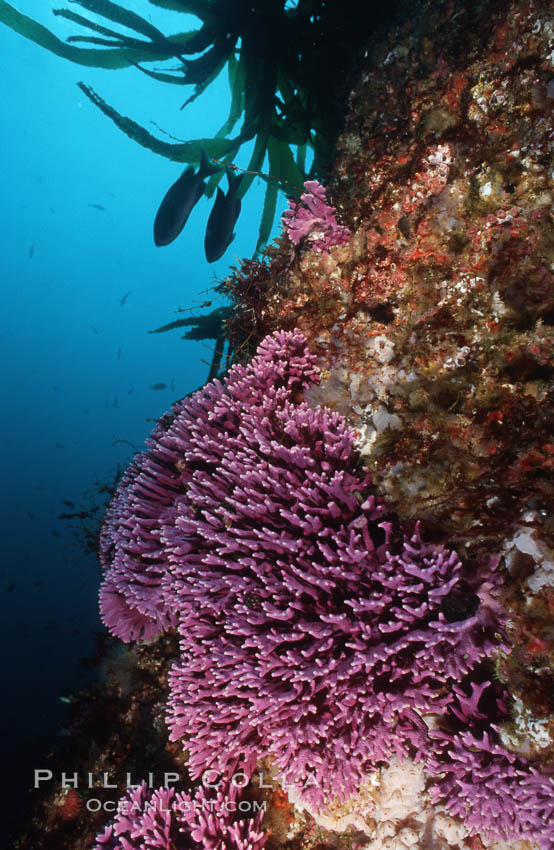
[
  {"x": 313, "y": 220},
  {"x": 493, "y": 791},
  {"x": 163, "y": 819}
]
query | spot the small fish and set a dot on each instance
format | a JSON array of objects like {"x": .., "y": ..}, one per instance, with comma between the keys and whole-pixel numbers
[
  {"x": 95, "y": 330},
  {"x": 129, "y": 392},
  {"x": 223, "y": 217},
  {"x": 10, "y": 587},
  {"x": 84, "y": 410},
  {"x": 179, "y": 201},
  {"x": 115, "y": 402},
  {"x": 31, "y": 250},
  {"x": 98, "y": 207},
  {"x": 38, "y": 582},
  {"x": 119, "y": 353},
  {"x": 54, "y": 532},
  {"x": 124, "y": 299},
  {"x": 173, "y": 385},
  {"x": 68, "y": 503},
  {"x": 158, "y": 386}
]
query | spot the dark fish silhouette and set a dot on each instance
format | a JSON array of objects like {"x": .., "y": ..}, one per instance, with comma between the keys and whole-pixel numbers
[
  {"x": 68, "y": 503},
  {"x": 124, "y": 299},
  {"x": 31, "y": 251},
  {"x": 223, "y": 217},
  {"x": 119, "y": 353},
  {"x": 158, "y": 386},
  {"x": 179, "y": 201},
  {"x": 98, "y": 207}
]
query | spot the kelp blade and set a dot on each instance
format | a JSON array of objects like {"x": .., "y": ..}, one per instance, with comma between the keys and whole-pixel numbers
[
  {"x": 189, "y": 152},
  {"x": 120, "y": 57}
]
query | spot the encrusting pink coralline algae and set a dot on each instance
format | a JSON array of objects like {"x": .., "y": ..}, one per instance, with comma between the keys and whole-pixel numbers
[
  {"x": 313, "y": 219},
  {"x": 166, "y": 820},
  {"x": 314, "y": 629}
]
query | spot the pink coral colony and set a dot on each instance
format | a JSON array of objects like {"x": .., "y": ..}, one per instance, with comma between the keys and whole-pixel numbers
[
  {"x": 314, "y": 629},
  {"x": 312, "y": 219},
  {"x": 166, "y": 820}
]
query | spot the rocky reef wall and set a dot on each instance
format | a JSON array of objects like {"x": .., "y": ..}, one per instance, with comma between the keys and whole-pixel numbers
[{"x": 433, "y": 324}]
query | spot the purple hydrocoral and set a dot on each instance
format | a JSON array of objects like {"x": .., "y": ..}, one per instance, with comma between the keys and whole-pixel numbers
[
  {"x": 313, "y": 219},
  {"x": 131, "y": 601},
  {"x": 324, "y": 659},
  {"x": 312, "y": 628},
  {"x": 494, "y": 791},
  {"x": 165, "y": 820}
]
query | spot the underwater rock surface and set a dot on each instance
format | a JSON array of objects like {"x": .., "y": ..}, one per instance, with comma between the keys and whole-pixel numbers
[{"x": 433, "y": 325}]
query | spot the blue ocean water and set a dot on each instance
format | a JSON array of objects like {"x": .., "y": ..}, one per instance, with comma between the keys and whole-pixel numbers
[{"x": 82, "y": 284}]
